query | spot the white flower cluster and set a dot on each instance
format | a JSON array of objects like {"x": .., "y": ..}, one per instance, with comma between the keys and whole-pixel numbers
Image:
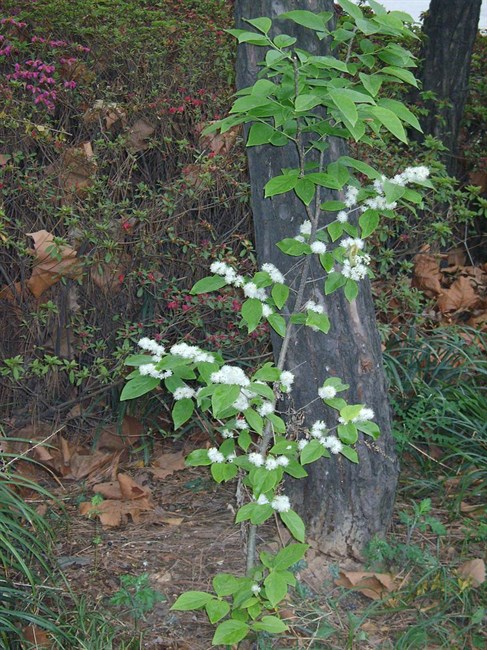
[
  {"x": 215, "y": 456},
  {"x": 184, "y": 392},
  {"x": 226, "y": 271},
  {"x": 227, "y": 433},
  {"x": 332, "y": 443},
  {"x": 153, "y": 347},
  {"x": 364, "y": 415},
  {"x": 311, "y": 305},
  {"x": 192, "y": 352},
  {"x": 318, "y": 247},
  {"x": 266, "y": 310},
  {"x": 286, "y": 379},
  {"x": 327, "y": 392},
  {"x": 230, "y": 375},
  {"x": 251, "y": 290},
  {"x": 279, "y": 503},
  {"x": 342, "y": 216},
  {"x": 266, "y": 408},
  {"x": 241, "y": 424},
  {"x": 411, "y": 175},
  {"x": 351, "y": 194},
  {"x": 305, "y": 228},
  {"x": 356, "y": 266},
  {"x": 352, "y": 244},
  {"x": 151, "y": 370},
  {"x": 275, "y": 274},
  {"x": 241, "y": 403},
  {"x": 269, "y": 463}
]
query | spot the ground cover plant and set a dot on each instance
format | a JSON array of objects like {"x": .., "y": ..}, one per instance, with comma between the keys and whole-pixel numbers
[{"x": 109, "y": 159}]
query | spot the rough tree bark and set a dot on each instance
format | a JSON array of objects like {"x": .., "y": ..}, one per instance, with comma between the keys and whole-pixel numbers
[
  {"x": 343, "y": 504},
  {"x": 449, "y": 28}
]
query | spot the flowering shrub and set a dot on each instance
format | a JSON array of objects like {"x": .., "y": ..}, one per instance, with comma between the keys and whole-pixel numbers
[{"x": 255, "y": 445}]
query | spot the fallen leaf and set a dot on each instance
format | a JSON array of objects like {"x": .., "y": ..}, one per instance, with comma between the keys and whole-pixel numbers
[
  {"x": 51, "y": 262},
  {"x": 473, "y": 571},
  {"x": 460, "y": 296},
  {"x": 370, "y": 584},
  {"x": 219, "y": 143},
  {"x": 139, "y": 134},
  {"x": 167, "y": 464},
  {"x": 77, "y": 168},
  {"x": 37, "y": 637},
  {"x": 115, "y": 437},
  {"x": 427, "y": 275}
]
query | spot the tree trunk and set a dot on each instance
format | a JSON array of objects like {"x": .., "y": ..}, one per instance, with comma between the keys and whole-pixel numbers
[
  {"x": 450, "y": 28},
  {"x": 343, "y": 504}
]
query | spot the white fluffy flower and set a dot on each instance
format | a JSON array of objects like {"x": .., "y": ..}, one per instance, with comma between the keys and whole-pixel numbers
[
  {"x": 327, "y": 392},
  {"x": 342, "y": 216},
  {"x": 318, "y": 247},
  {"x": 411, "y": 175},
  {"x": 286, "y": 379},
  {"x": 255, "y": 589},
  {"x": 364, "y": 415},
  {"x": 227, "y": 433},
  {"x": 358, "y": 271},
  {"x": 273, "y": 271},
  {"x": 302, "y": 443},
  {"x": 151, "y": 346},
  {"x": 241, "y": 424},
  {"x": 318, "y": 428},
  {"x": 305, "y": 228},
  {"x": 262, "y": 500},
  {"x": 151, "y": 370},
  {"x": 184, "y": 392},
  {"x": 265, "y": 409},
  {"x": 271, "y": 463},
  {"x": 232, "y": 375},
  {"x": 266, "y": 310},
  {"x": 256, "y": 459},
  {"x": 251, "y": 290},
  {"x": 311, "y": 305},
  {"x": 351, "y": 243},
  {"x": 281, "y": 503},
  {"x": 241, "y": 403},
  {"x": 332, "y": 443},
  {"x": 192, "y": 352},
  {"x": 283, "y": 461},
  {"x": 351, "y": 194},
  {"x": 215, "y": 456}
]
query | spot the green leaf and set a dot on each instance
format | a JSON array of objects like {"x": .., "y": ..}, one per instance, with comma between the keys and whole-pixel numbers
[
  {"x": 262, "y": 24},
  {"x": 280, "y": 294},
  {"x": 360, "y": 166},
  {"x": 293, "y": 247},
  {"x": 305, "y": 190},
  {"x": 210, "y": 283},
  {"x": 270, "y": 624},
  {"x": 268, "y": 372},
  {"x": 277, "y": 422},
  {"x": 275, "y": 587},
  {"x": 198, "y": 458},
  {"x": 347, "y": 433},
  {"x": 306, "y": 102},
  {"x": 182, "y": 411},
  {"x": 138, "y": 360},
  {"x": 223, "y": 472},
  {"x": 335, "y": 230},
  {"x": 372, "y": 83},
  {"x": 280, "y": 184},
  {"x": 351, "y": 411},
  {"x": 351, "y": 290},
  {"x": 332, "y": 206},
  {"x": 368, "y": 221},
  {"x": 344, "y": 104},
  {"x": 225, "y": 584},
  {"x": 252, "y": 38},
  {"x": 289, "y": 555},
  {"x": 217, "y": 609},
  {"x": 402, "y": 112},
  {"x": 294, "y": 524},
  {"x": 327, "y": 261},
  {"x": 139, "y": 386},
  {"x": 351, "y": 9},
  {"x": 230, "y": 632},
  {"x": 350, "y": 453},
  {"x": 245, "y": 104},
  {"x": 325, "y": 180},
  {"x": 260, "y": 133},
  {"x": 370, "y": 428},
  {"x": 307, "y": 19},
  {"x": 254, "y": 420},
  {"x": 284, "y": 40},
  {"x": 278, "y": 324},
  {"x": 333, "y": 282},
  {"x": 319, "y": 322},
  {"x": 262, "y": 389},
  {"x": 244, "y": 440},
  {"x": 390, "y": 120},
  {"x": 252, "y": 313},
  {"x": 400, "y": 73},
  {"x": 312, "y": 452},
  {"x": 192, "y": 600},
  {"x": 223, "y": 397}
]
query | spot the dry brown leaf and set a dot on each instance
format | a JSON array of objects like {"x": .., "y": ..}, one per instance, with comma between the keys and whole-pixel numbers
[
  {"x": 51, "y": 262},
  {"x": 473, "y": 510},
  {"x": 168, "y": 519},
  {"x": 37, "y": 637},
  {"x": 108, "y": 276},
  {"x": 460, "y": 296},
  {"x": 138, "y": 135},
  {"x": 456, "y": 257},
  {"x": 473, "y": 571},
  {"x": 371, "y": 584},
  {"x": 130, "y": 489},
  {"x": 77, "y": 168},
  {"x": 166, "y": 464},
  {"x": 108, "y": 490},
  {"x": 427, "y": 275},
  {"x": 219, "y": 143},
  {"x": 116, "y": 437}
]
